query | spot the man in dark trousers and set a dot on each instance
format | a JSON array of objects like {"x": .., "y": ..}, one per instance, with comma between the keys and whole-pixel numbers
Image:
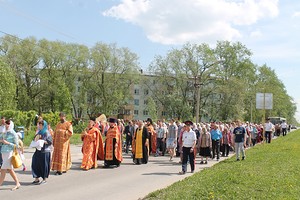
[{"x": 129, "y": 131}]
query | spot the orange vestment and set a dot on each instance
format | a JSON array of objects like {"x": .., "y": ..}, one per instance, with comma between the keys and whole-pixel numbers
[
  {"x": 61, "y": 158},
  {"x": 113, "y": 133},
  {"x": 92, "y": 148},
  {"x": 152, "y": 132}
]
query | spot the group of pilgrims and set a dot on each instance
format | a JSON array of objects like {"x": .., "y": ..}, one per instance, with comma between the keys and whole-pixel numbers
[{"x": 107, "y": 140}]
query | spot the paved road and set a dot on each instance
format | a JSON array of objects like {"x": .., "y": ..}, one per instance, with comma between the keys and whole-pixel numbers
[{"x": 126, "y": 182}]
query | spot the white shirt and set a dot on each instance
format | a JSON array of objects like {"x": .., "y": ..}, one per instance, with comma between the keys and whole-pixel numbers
[
  {"x": 269, "y": 126},
  {"x": 189, "y": 138},
  {"x": 283, "y": 125},
  {"x": 2, "y": 129}
]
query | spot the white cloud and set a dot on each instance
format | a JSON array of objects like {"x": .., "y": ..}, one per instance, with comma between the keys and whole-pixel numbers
[
  {"x": 177, "y": 21},
  {"x": 256, "y": 34},
  {"x": 296, "y": 14}
]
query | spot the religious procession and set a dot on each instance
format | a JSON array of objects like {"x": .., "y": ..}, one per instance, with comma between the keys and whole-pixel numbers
[{"x": 107, "y": 139}]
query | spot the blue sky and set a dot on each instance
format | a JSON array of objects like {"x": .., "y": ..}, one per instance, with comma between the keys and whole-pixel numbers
[{"x": 269, "y": 28}]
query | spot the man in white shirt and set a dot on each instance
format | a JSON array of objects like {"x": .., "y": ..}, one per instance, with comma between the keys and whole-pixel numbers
[
  {"x": 188, "y": 145},
  {"x": 284, "y": 128},
  {"x": 269, "y": 128}
]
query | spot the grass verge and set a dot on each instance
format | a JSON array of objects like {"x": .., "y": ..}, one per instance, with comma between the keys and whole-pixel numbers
[{"x": 270, "y": 171}]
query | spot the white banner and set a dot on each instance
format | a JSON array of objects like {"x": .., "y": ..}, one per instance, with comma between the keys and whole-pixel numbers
[{"x": 264, "y": 101}]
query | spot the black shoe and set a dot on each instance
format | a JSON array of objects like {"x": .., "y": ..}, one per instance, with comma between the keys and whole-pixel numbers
[
  {"x": 58, "y": 173},
  {"x": 238, "y": 159},
  {"x": 35, "y": 182},
  {"x": 205, "y": 162},
  {"x": 201, "y": 162},
  {"x": 182, "y": 173},
  {"x": 243, "y": 158}
]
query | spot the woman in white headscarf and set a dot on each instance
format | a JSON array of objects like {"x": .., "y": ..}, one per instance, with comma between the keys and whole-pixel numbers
[{"x": 9, "y": 140}]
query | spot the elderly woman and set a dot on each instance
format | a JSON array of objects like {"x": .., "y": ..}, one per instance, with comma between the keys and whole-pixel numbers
[
  {"x": 204, "y": 143},
  {"x": 41, "y": 158},
  {"x": 10, "y": 139}
]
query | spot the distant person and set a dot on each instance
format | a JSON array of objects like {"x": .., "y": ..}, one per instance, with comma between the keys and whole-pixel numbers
[
  {"x": 284, "y": 128},
  {"x": 239, "y": 138},
  {"x": 128, "y": 131},
  {"x": 216, "y": 136},
  {"x": 204, "y": 145},
  {"x": 269, "y": 128},
  {"x": 61, "y": 158},
  {"x": 226, "y": 141},
  {"x": 254, "y": 135},
  {"x": 172, "y": 138},
  {"x": 152, "y": 135},
  {"x": 161, "y": 132}
]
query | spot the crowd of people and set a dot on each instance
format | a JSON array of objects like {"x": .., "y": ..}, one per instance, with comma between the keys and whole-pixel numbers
[{"x": 139, "y": 138}]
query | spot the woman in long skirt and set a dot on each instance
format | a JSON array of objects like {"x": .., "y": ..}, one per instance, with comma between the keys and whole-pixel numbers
[{"x": 41, "y": 157}]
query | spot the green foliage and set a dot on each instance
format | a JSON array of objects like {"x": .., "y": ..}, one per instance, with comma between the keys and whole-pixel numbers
[
  {"x": 53, "y": 76},
  {"x": 270, "y": 171},
  {"x": 7, "y": 87},
  {"x": 152, "y": 109},
  {"x": 76, "y": 139}
]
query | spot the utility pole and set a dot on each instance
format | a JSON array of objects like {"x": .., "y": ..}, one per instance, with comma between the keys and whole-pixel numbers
[{"x": 197, "y": 87}]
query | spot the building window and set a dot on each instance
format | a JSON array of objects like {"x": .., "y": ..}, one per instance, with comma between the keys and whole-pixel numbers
[
  {"x": 163, "y": 113},
  {"x": 136, "y": 102},
  {"x": 136, "y": 112},
  {"x": 146, "y": 102},
  {"x": 127, "y": 112},
  {"x": 136, "y": 91},
  {"x": 146, "y": 92},
  {"x": 145, "y": 112},
  {"x": 115, "y": 112}
]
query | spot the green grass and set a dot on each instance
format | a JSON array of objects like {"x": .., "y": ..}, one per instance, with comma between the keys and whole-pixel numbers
[
  {"x": 270, "y": 171},
  {"x": 76, "y": 139}
]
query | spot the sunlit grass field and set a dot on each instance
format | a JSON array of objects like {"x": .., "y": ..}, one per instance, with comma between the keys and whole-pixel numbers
[{"x": 270, "y": 171}]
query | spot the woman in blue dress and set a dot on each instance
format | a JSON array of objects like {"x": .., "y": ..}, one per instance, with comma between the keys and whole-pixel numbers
[{"x": 41, "y": 158}]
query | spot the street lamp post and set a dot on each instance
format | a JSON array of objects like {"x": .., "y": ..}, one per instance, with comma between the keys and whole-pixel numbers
[{"x": 197, "y": 86}]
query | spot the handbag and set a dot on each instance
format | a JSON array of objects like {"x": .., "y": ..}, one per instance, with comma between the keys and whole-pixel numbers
[{"x": 16, "y": 159}]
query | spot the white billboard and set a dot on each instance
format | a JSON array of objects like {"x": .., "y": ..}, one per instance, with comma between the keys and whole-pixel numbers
[{"x": 264, "y": 101}]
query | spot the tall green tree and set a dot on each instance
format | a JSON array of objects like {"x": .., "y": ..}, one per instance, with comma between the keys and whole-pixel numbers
[
  {"x": 234, "y": 77},
  {"x": 7, "y": 87},
  {"x": 112, "y": 72},
  {"x": 23, "y": 57},
  {"x": 180, "y": 75}
]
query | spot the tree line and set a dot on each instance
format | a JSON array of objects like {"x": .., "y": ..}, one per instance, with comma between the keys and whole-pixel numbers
[{"x": 52, "y": 76}]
